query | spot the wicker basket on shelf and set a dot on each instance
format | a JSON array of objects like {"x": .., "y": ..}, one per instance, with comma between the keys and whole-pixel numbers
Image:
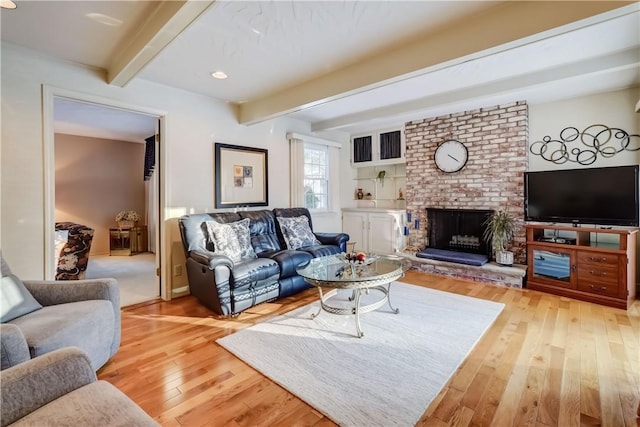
[
  {"x": 127, "y": 219},
  {"x": 125, "y": 224}
]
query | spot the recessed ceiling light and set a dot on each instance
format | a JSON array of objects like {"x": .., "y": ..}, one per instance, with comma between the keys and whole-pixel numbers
[
  {"x": 104, "y": 19},
  {"x": 7, "y": 4},
  {"x": 219, "y": 75}
]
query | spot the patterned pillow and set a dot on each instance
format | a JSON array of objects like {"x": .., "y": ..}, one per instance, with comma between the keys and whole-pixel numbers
[
  {"x": 232, "y": 239},
  {"x": 297, "y": 232}
]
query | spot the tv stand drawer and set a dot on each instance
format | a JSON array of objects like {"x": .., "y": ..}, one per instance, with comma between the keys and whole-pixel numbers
[
  {"x": 599, "y": 274},
  {"x": 598, "y": 288},
  {"x": 597, "y": 258}
]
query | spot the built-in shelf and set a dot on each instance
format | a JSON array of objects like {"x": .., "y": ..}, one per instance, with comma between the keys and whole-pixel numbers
[{"x": 381, "y": 190}]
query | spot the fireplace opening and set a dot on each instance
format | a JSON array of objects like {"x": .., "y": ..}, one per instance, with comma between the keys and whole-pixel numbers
[{"x": 456, "y": 235}]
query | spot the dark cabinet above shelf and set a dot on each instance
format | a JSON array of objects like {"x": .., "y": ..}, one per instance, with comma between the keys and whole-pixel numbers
[{"x": 378, "y": 147}]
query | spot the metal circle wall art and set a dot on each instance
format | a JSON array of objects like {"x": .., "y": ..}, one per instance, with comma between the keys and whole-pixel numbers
[{"x": 593, "y": 141}]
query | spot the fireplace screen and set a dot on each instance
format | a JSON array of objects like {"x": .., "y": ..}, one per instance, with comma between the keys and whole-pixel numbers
[{"x": 458, "y": 230}]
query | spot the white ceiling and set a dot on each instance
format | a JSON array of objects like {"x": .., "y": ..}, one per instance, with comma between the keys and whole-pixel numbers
[
  {"x": 97, "y": 121},
  {"x": 266, "y": 47},
  {"x": 346, "y": 65}
]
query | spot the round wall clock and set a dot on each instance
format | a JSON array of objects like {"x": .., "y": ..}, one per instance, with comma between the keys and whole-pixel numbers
[{"x": 451, "y": 156}]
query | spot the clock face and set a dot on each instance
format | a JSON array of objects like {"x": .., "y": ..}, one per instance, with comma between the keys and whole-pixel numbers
[{"x": 451, "y": 156}]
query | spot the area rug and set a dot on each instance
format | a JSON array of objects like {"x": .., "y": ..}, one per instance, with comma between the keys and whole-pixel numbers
[{"x": 387, "y": 377}]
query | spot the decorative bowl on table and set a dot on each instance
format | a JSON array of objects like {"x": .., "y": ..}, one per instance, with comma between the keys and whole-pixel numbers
[
  {"x": 357, "y": 258},
  {"x": 355, "y": 264}
]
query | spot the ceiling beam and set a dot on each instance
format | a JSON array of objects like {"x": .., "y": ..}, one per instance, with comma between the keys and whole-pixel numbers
[
  {"x": 509, "y": 23},
  {"x": 166, "y": 22},
  {"x": 613, "y": 62}
]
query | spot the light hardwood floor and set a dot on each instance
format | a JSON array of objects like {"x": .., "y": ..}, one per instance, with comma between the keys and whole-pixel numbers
[{"x": 546, "y": 361}]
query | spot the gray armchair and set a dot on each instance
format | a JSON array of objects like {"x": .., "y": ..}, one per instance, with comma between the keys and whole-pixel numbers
[
  {"x": 61, "y": 389},
  {"x": 81, "y": 313}
]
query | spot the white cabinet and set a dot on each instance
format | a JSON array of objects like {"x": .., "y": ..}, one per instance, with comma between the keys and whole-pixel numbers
[
  {"x": 379, "y": 147},
  {"x": 355, "y": 225},
  {"x": 374, "y": 231},
  {"x": 384, "y": 233}
]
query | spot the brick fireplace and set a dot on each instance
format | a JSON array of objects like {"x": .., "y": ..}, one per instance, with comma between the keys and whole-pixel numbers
[{"x": 492, "y": 179}]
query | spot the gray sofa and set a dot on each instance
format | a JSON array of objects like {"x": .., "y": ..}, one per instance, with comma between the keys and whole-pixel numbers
[
  {"x": 265, "y": 270},
  {"x": 61, "y": 389},
  {"x": 80, "y": 313}
]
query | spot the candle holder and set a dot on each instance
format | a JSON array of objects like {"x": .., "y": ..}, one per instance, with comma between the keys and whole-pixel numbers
[{"x": 415, "y": 224}]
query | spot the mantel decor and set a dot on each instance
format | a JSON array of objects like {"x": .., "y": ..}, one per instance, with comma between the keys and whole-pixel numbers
[
  {"x": 595, "y": 140},
  {"x": 241, "y": 176}
]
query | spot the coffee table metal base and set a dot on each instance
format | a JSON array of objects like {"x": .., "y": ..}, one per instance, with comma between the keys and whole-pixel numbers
[{"x": 356, "y": 309}]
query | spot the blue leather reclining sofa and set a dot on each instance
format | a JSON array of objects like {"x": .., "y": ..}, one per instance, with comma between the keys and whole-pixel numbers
[{"x": 229, "y": 287}]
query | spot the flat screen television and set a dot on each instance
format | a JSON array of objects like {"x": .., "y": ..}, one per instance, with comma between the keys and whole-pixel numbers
[{"x": 601, "y": 196}]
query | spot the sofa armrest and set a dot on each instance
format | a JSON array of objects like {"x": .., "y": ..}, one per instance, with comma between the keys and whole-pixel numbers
[
  {"x": 211, "y": 259},
  {"x": 337, "y": 239},
  {"x": 36, "y": 382},
  {"x": 209, "y": 275},
  {"x": 53, "y": 292},
  {"x": 13, "y": 346}
]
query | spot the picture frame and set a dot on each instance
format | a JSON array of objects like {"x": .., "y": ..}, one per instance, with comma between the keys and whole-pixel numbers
[{"x": 241, "y": 176}]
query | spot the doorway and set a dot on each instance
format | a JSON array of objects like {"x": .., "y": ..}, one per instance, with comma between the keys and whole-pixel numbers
[{"x": 78, "y": 126}]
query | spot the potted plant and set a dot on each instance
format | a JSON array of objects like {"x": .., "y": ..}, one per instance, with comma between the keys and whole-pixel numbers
[{"x": 500, "y": 229}]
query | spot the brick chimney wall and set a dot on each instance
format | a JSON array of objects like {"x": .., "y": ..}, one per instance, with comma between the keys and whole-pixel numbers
[{"x": 493, "y": 178}]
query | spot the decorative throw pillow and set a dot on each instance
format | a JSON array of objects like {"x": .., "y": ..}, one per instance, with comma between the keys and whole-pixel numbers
[
  {"x": 232, "y": 239},
  {"x": 297, "y": 232},
  {"x": 16, "y": 300}
]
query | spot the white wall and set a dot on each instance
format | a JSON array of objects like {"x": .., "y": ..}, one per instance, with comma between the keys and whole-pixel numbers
[
  {"x": 613, "y": 109},
  {"x": 194, "y": 123}
]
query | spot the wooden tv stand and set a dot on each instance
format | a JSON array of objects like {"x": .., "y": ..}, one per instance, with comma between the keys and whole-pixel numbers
[{"x": 591, "y": 264}]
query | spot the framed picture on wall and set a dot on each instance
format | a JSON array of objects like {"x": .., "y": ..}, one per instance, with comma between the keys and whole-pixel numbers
[{"x": 241, "y": 176}]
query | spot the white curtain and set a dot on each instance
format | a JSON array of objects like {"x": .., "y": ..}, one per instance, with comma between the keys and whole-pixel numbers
[
  {"x": 296, "y": 171},
  {"x": 152, "y": 215},
  {"x": 334, "y": 177}
]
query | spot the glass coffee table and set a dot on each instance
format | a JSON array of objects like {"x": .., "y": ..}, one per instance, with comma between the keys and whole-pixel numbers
[{"x": 335, "y": 272}]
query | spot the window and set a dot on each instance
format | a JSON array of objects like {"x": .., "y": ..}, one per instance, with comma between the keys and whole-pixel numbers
[
  {"x": 315, "y": 172},
  {"x": 316, "y": 182}
]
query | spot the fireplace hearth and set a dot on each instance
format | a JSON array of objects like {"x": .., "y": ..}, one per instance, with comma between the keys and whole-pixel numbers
[
  {"x": 456, "y": 248},
  {"x": 459, "y": 230}
]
